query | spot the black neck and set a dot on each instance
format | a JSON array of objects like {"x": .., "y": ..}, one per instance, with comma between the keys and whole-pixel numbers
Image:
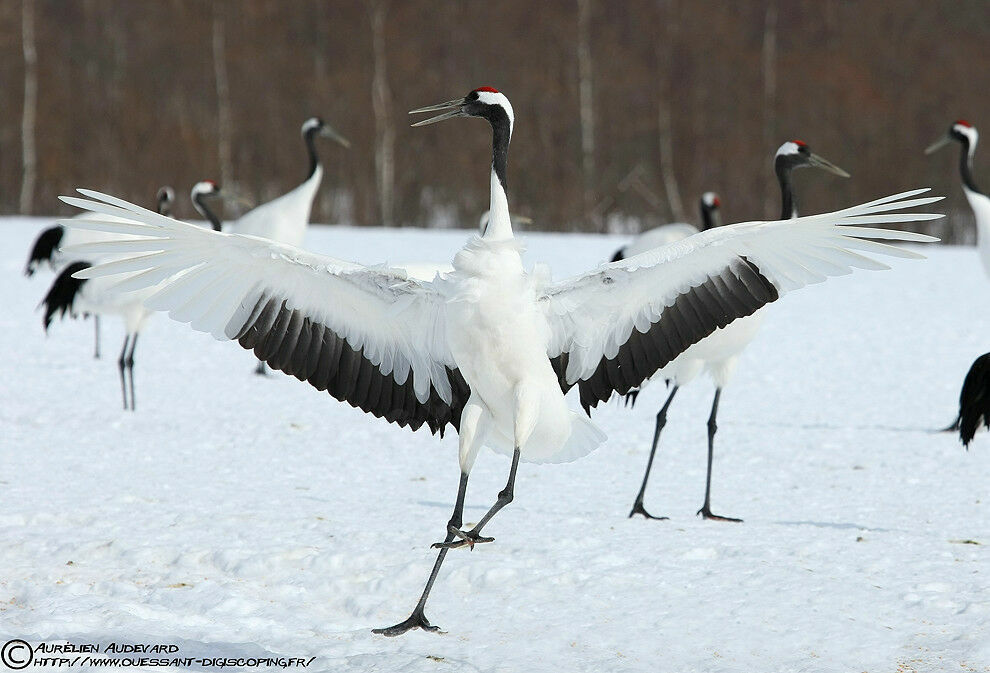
[
  {"x": 786, "y": 190},
  {"x": 501, "y": 135},
  {"x": 966, "y": 167},
  {"x": 707, "y": 217},
  {"x": 314, "y": 159},
  {"x": 206, "y": 212}
]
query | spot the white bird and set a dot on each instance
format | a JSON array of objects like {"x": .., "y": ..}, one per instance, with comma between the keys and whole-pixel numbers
[
  {"x": 966, "y": 135},
  {"x": 719, "y": 353},
  {"x": 675, "y": 231},
  {"x": 48, "y": 250},
  {"x": 69, "y": 294},
  {"x": 285, "y": 219},
  {"x": 491, "y": 348}
]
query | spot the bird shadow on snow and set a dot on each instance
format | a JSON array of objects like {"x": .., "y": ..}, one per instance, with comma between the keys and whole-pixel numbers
[
  {"x": 838, "y": 526},
  {"x": 831, "y": 426},
  {"x": 447, "y": 505}
]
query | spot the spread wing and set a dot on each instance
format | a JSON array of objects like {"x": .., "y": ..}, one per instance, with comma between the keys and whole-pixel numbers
[
  {"x": 614, "y": 327},
  {"x": 370, "y": 336}
]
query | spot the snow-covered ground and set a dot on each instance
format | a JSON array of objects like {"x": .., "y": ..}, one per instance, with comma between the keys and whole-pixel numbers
[{"x": 238, "y": 516}]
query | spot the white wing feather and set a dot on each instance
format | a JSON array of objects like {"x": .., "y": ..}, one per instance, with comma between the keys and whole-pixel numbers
[
  {"x": 592, "y": 315},
  {"x": 214, "y": 280}
]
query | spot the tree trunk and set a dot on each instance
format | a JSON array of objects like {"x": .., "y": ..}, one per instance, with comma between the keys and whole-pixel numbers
[
  {"x": 665, "y": 53},
  {"x": 223, "y": 98},
  {"x": 30, "y": 107},
  {"x": 770, "y": 140},
  {"x": 586, "y": 96},
  {"x": 381, "y": 101}
]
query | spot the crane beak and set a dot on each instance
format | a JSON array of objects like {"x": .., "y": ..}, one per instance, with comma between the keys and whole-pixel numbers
[
  {"x": 330, "y": 132},
  {"x": 938, "y": 144},
  {"x": 454, "y": 107},
  {"x": 825, "y": 164},
  {"x": 522, "y": 219}
]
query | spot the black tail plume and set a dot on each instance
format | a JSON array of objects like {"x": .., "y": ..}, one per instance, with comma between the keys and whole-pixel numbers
[
  {"x": 63, "y": 292},
  {"x": 45, "y": 247},
  {"x": 974, "y": 400}
]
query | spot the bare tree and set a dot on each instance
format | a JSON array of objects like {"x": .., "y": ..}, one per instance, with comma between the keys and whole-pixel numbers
[
  {"x": 223, "y": 97},
  {"x": 30, "y": 106},
  {"x": 668, "y": 15},
  {"x": 381, "y": 102},
  {"x": 586, "y": 94},
  {"x": 770, "y": 98}
]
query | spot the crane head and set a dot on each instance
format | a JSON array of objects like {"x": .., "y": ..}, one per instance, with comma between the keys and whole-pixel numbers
[
  {"x": 316, "y": 125},
  {"x": 485, "y": 102},
  {"x": 164, "y": 200},
  {"x": 796, "y": 154},
  {"x": 710, "y": 204},
  {"x": 961, "y": 131}
]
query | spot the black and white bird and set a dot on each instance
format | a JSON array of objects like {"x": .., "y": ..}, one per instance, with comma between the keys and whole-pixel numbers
[
  {"x": 490, "y": 348},
  {"x": 709, "y": 204},
  {"x": 285, "y": 219},
  {"x": 48, "y": 250},
  {"x": 966, "y": 135},
  {"x": 974, "y": 400},
  {"x": 101, "y": 296},
  {"x": 719, "y": 353}
]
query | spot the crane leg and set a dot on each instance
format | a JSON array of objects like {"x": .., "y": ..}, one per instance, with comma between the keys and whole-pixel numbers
[
  {"x": 261, "y": 369},
  {"x": 129, "y": 362},
  {"x": 418, "y": 620},
  {"x": 96, "y": 347},
  {"x": 706, "y": 510},
  {"x": 473, "y": 536},
  {"x": 637, "y": 507},
  {"x": 121, "y": 366}
]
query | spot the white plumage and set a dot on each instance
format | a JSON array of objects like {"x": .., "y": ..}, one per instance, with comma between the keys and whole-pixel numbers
[
  {"x": 284, "y": 219},
  {"x": 490, "y": 348},
  {"x": 718, "y": 354},
  {"x": 967, "y": 136},
  {"x": 98, "y": 297},
  {"x": 668, "y": 233}
]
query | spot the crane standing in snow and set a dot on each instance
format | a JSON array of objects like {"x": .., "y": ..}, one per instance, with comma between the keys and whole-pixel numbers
[
  {"x": 719, "y": 353},
  {"x": 48, "y": 250},
  {"x": 967, "y": 136},
  {"x": 285, "y": 219},
  {"x": 101, "y": 296}
]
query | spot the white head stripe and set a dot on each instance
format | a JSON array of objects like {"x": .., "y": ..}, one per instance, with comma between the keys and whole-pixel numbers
[
  {"x": 788, "y": 148},
  {"x": 492, "y": 98},
  {"x": 971, "y": 133},
  {"x": 311, "y": 123},
  {"x": 204, "y": 187},
  {"x": 709, "y": 198}
]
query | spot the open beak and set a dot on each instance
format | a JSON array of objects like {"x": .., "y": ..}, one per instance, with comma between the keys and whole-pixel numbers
[
  {"x": 454, "y": 107},
  {"x": 938, "y": 144},
  {"x": 825, "y": 164},
  {"x": 330, "y": 132}
]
